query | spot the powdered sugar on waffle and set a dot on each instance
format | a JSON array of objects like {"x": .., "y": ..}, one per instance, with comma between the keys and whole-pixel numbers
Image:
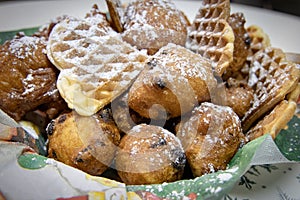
[
  {"x": 211, "y": 36},
  {"x": 72, "y": 41},
  {"x": 96, "y": 64},
  {"x": 272, "y": 77}
]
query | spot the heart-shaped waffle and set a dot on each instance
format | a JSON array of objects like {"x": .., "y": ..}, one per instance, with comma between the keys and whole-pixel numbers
[
  {"x": 88, "y": 88},
  {"x": 96, "y": 64},
  {"x": 211, "y": 36},
  {"x": 73, "y": 41},
  {"x": 272, "y": 77}
]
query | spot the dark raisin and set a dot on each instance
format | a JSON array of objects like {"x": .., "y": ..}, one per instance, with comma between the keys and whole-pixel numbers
[
  {"x": 100, "y": 143},
  {"x": 86, "y": 149},
  {"x": 248, "y": 40},
  {"x": 80, "y": 160},
  {"x": 152, "y": 63},
  {"x": 160, "y": 83},
  {"x": 106, "y": 114},
  {"x": 53, "y": 154},
  {"x": 161, "y": 142},
  {"x": 62, "y": 118},
  {"x": 82, "y": 154},
  {"x": 50, "y": 128},
  {"x": 164, "y": 52},
  {"x": 179, "y": 159}
]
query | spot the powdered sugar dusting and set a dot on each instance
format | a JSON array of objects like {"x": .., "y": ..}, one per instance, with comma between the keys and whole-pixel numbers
[
  {"x": 178, "y": 68},
  {"x": 154, "y": 146},
  {"x": 24, "y": 46},
  {"x": 153, "y": 24},
  {"x": 271, "y": 77},
  {"x": 29, "y": 87},
  {"x": 224, "y": 177},
  {"x": 95, "y": 62},
  {"x": 219, "y": 110}
]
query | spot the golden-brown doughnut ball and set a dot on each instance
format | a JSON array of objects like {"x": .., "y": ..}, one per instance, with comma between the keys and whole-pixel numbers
[
  {"x": 210, "y": 137},
  {"x": 174, "y": 80},
  {"x": 153, "y": 24},
  {"x": 87, "y": 143},
  {"x": 149, "y": 154},
  {"x": 124, "y": 117},
  {"x": 28, "y": 79},
  {"x": 240, "y": 99}
]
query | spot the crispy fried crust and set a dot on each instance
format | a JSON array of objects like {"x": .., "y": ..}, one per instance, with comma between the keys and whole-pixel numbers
[
  {"x": 173, "y": 82},
  {"x": 210, "y": 137},
  {"x": 273, "y": 122},
  {"x": 149, "y": 154},
  {"x": 241, "y": 42},
  {"x": 239, "y": 99},
  {"x": 153, "y": 24},
  {"x": 27, "y": 77},
  {"x": 87, "y": 143}
]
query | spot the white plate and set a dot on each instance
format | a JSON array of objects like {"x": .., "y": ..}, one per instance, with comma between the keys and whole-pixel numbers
[{"x": 283, "y": 182}]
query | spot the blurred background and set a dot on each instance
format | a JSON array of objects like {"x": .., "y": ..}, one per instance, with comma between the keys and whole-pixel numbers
[{"x": 286, "y": 6}]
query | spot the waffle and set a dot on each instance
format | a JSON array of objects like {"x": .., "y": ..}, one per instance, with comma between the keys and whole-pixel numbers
[
  {"x": 274, "y": 121},
  {"x": 72, "y": 41},
  {"x": 115, "y": 12},
  {"x": 272, "y": 77},
  {"x": 295, "y": 94},
  {"x": 95, "y": 64},
  {"x": 211, "y": 36},
  {"x": 214, "y": 10},
  {"x": 241, "y": 41},
  {"x": 88, "y": 88},
  {"x": 259, "y": 40}
]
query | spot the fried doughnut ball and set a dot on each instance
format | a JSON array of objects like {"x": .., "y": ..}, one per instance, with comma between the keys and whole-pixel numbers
[
  {"x": 240, "y": 99},
  {"x": 28, "y": 79},
  {"x": 153, "y": 24},
  {"x": 149, "y": 154},
  {"x": 210, "y": 137},
  {"x": 87, "y": 143},
  {"x": 124, "y": 117},
  {"x": 174, "y": 80}
]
